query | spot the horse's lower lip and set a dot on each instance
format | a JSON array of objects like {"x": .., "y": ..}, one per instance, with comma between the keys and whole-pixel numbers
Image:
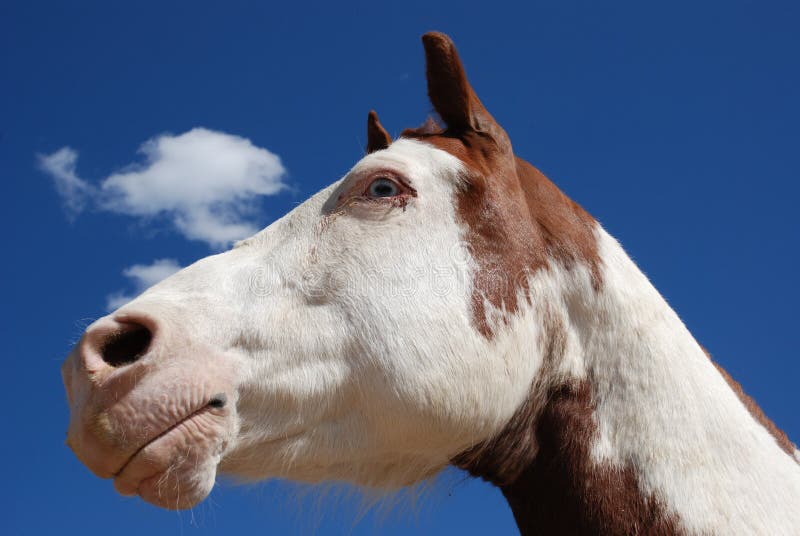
[{"x": 149, "y": 442}]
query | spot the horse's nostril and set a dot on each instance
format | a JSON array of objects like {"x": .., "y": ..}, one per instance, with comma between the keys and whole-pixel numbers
[
  {"x": 218, "y": 400},
  {"x": 126, "y": 345}
]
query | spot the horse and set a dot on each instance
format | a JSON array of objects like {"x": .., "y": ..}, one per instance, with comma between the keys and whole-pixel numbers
[{"x": 443, "y": 303}]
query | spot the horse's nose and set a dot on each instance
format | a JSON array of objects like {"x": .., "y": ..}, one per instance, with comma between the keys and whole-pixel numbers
[
  {"x": 115, "y": 344},
  {"x": 96, "y": 375}
]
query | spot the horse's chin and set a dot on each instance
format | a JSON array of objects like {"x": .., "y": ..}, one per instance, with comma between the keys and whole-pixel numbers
[
  {"x": 178, "y": 489},
  {"x": 175, "y": 471}
]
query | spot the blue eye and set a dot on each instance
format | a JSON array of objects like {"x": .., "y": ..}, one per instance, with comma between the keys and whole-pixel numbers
[{"x": 383, "y": 187}]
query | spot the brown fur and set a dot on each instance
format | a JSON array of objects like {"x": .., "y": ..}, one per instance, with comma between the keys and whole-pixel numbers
[
  {"x": 542, "y": 463},
  {"x": 377, "y": 137},
  {"x": 550, "y": 481}
]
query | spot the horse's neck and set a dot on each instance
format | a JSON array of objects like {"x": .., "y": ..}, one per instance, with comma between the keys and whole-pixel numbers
[{"x": 632, "y": 429}]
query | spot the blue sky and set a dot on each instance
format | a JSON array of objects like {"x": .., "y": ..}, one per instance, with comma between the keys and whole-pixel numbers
[{"x": 676, "y": 125}]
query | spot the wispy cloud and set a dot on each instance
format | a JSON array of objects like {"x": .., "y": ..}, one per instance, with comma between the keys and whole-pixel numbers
[
  {"x": 204, "y": 182},
  {"x": 143, "y": 276},
  {"x": 73, "y": 190}
]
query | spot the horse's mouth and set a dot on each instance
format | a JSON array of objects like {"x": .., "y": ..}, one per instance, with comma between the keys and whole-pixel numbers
[
  {"x": 176, "y": 468},
  {"x": 217, "y": 402}
]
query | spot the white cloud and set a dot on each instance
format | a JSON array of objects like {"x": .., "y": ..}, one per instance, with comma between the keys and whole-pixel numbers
[
  {"x": 143, "y": 276},
  {"x": 72, "y": 189},
  {"x": 204, "y": 182}
]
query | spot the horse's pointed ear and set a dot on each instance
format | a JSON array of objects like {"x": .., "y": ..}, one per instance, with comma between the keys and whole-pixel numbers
[
  {"x": 451, "y": 94},
  {"x": 377, "y": 137}
]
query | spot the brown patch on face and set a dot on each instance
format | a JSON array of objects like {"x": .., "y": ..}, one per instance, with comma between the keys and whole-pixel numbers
[
  {"x": 781, "y": 438},
  {"x": 517, "y": 221}
]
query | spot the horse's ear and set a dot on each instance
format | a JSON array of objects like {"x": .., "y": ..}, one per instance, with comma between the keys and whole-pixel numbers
[
  {"x": 377, "y": 137},
  {"x": 451, "y": 94}
]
